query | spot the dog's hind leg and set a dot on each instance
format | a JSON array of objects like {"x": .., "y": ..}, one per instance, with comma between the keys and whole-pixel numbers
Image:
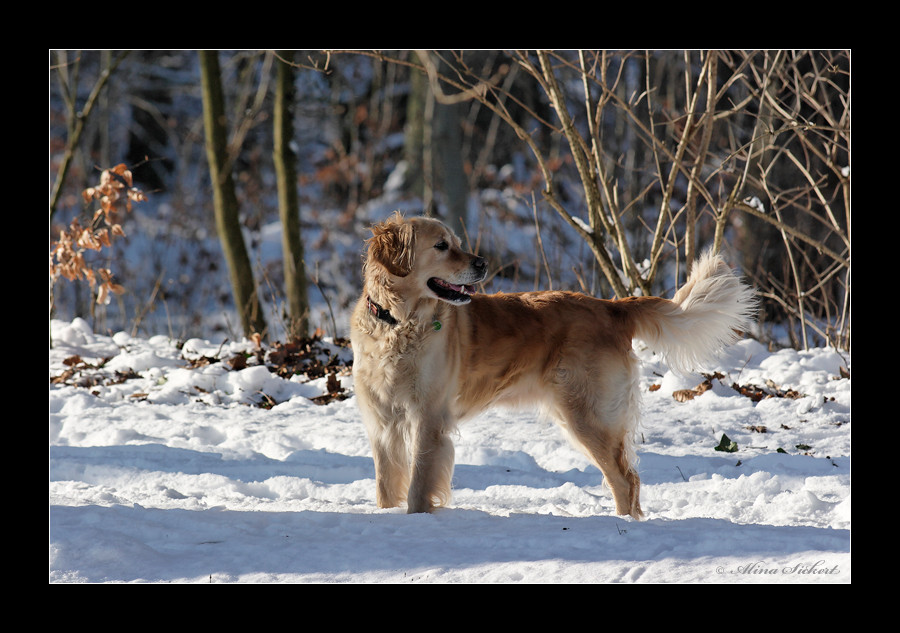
[
  {"x": 432, "y": 468},
  {"x": 601, "y": 418},
  {"x": 611, "y": 452}
]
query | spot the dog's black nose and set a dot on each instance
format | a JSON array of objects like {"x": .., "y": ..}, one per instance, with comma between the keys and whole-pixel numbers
[{"x": 479, "y": 264}]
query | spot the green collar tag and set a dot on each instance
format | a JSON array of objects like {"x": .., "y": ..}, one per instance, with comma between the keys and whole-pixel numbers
[{"x": 436, "y": 325}]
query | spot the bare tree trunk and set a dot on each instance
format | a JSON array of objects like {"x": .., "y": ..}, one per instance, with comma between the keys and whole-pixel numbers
[
  {"x": 447, "y": 162},
  {"x": 288, "y": 203},
  {"x": 225, "y": 200},
  {"x": 434, "y": 150},
  {"x": 414, "y": 135}
]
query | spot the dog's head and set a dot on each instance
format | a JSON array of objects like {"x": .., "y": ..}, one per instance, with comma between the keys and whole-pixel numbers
[{"x": 424, "y": 256}]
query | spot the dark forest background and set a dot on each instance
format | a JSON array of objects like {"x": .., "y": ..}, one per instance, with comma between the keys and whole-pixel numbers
[{"x": 606, "y": 172}]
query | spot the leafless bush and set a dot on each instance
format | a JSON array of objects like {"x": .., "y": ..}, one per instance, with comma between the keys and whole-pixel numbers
[{"x": 677, "y": 151}]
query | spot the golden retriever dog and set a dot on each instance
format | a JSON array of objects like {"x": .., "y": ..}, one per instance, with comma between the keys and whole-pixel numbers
[{"x": 430, "y": 352}]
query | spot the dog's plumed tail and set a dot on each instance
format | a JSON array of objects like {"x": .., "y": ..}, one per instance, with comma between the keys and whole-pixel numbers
[{"x": 708, "y": 313}]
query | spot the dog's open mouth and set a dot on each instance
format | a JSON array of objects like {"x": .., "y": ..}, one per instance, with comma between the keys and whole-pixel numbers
[{"x": 451, "y": 293}]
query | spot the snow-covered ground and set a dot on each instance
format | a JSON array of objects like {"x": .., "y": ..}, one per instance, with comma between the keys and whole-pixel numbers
[{"x": 173, "y": 463}]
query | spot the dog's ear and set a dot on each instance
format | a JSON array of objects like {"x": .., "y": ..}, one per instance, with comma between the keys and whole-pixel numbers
[{"x": 391, "y": 245}]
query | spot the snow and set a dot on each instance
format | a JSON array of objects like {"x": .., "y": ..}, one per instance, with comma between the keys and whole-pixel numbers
[{"x": 170, "y": 465}]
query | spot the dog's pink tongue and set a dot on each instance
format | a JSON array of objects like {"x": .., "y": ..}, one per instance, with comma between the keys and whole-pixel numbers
[{"x": 464, "y": 289}]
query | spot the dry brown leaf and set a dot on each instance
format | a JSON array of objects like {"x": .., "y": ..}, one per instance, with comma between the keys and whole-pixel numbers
[{"x": 683, "y": 395}]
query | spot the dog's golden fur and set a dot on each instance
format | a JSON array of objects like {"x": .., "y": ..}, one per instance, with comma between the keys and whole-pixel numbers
[{"x": 428, "y": 354}]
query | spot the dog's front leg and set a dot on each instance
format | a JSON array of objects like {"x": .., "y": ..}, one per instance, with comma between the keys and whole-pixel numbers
[
  {"x": 432, "y": 468},
  {"x": 386, "y": 428},
  {"x": 391, "y": 468}
]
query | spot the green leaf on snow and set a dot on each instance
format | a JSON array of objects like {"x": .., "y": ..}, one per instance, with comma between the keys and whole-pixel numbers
[{"x": 727, "y": 445}]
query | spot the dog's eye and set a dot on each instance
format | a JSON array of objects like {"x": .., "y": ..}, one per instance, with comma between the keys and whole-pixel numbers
[{"x": 442, "y": 245}]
